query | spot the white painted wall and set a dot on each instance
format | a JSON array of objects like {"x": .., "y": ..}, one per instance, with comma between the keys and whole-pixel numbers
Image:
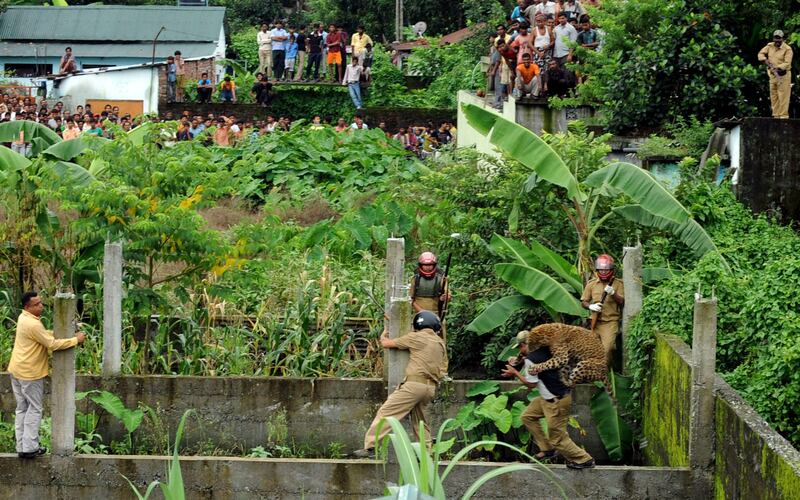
[
  {"x": 468, "y": 136},
  {"x": 138, "y": 84}
]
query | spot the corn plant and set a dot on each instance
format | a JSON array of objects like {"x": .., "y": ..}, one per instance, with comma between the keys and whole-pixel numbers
[
  {"x": 173, "y": 489},
  {"x": 420, "y": 466}
]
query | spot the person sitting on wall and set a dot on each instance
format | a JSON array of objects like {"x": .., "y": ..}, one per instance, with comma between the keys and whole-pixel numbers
[{"x": 204, "y": 89}]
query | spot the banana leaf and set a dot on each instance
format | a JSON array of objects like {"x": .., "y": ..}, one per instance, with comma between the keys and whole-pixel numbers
[
  {"x": 11, "y": 161},
  {"x": 506, "y": 247},
  {"x": 642, "y": 187},
  {"x": 656, "y": 274},
  {"x": 558, "y": 264},
  {"x": 498, "y": 313},
  {"x": 615, "y": 433},
  {"x": 689, "y": 232},
  {"x": 71, "y": 173},
  {"x": 9, "y": 132},
  {"x": 67, "y": 150},
  {"x": 534, "y": 283},
  {"x": 525, "y": 147}
]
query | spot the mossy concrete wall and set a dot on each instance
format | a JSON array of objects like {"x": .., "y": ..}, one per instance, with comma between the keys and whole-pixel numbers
[
  {"x": 666, "y": 406},
  {"x": 238, "y": 412},
  {"x": 751, "y": 459},
  {"x": 94, "y": 477}
]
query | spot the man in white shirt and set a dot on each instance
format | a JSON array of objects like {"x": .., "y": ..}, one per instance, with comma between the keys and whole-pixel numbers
[
  {"x": 279, "y": 44},
  {"x": 358, "y": 123},
  {"x": 352, "y": 79},
  {"x": 264, "y": 39},
  {"x": 565, "y": 34}
]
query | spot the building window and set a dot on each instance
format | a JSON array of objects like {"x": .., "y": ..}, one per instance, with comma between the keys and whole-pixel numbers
[{"x": 27, "y": 70}]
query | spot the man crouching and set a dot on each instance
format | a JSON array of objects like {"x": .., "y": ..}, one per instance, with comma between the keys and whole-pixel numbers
[{"x": 426, "y": 367}]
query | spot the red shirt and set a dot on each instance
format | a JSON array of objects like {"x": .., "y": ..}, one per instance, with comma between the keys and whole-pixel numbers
[{"x": 335, "y": 38}]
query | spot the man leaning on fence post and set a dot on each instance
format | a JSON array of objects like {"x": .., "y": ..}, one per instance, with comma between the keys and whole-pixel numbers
[{"x": 28, "y": 368}]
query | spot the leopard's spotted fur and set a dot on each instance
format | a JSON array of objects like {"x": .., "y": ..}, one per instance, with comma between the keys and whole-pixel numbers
[{"x": 575, "y": 351}]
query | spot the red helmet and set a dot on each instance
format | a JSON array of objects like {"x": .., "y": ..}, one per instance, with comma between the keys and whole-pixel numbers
[
  {"x": 604, "y": 265},
  {"x": 427, "y": 258}
]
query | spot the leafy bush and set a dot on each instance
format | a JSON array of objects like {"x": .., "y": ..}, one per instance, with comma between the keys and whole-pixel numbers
[
  {"x": 758, "y": 324},
  {"x": 663, "y": 60},
  {"x": 684, "y": 138}
]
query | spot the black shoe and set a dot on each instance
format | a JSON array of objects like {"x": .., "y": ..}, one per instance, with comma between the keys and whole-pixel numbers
[
  {"x": 32, "y": 454},
  {"x": 589, "y": 464},
  {"x": 364, "y": 453}
]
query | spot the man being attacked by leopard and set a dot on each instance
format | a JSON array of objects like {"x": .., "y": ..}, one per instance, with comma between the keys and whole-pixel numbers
[{"x": 553, "y": 403}]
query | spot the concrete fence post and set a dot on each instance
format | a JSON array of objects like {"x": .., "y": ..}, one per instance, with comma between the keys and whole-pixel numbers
[
  {"x": 398, "y": 309},
  {"x": 112, "y": 309},
  {"x": 701, "y": 415},
  {"x": 63, "y": 377},
  {"x": 632, "y": 281}
]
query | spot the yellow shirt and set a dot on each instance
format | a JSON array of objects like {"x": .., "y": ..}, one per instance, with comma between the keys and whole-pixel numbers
[
  {"x": 359, "y": 43},
  {"x": 593, "y": 292},
  {"x": 31, "y": 346},
  {"x": 779, "y": 56}
]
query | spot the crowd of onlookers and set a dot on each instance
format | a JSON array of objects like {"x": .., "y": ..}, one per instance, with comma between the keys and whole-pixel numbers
[
  {"x": 289, "y": 54},
  {"x": 531, "y": 55},
  {"x": 423, "y": 139}
]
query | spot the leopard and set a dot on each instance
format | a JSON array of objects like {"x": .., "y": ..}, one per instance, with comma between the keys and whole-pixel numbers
[{"x": 577, "y": 352}]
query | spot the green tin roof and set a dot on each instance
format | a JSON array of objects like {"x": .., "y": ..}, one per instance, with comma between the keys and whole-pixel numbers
[{"x": 111, "y": 23}]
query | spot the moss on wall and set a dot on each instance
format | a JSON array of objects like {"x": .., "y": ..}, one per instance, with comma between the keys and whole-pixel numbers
[{"x": 666, "y": 409}]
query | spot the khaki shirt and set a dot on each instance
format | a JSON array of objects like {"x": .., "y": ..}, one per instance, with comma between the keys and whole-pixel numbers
[
  {"x": 31, "y": 347},
  {"x": 593, "y": 292},
  {"x": 779, "y": 56},
  {"x": 428, "y": 354}
]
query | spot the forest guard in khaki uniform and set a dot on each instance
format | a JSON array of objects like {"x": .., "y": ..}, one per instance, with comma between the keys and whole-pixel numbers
[
  {"x": 426, "y": 367},
  {"x": 604, "y": 296},
  {"x": 430, "y": 290},
  {"x": 778, "y": 58}
]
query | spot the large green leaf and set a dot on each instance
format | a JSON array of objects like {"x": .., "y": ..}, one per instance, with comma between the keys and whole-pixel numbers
[
  {"x": 69, "y": 173},
  {"x": 67, "y": 150},
  {"x": 615, "y": 433},
  {"x": 689, "y": 232},
  {"x": 131, "y": 419},
  {"x": 514, "y": 249},
  {"x": 525, "y": 147},
  {"x": 642, "y": 187},
  {"x": 482, "y": 388},
  {"x": 11, "y": 161},
  {"x": 498, "y": 313},
  {"x": 9, "y": 132},
  {"x": 558, "y": 264},
  {"x": 534, "y": 283}
]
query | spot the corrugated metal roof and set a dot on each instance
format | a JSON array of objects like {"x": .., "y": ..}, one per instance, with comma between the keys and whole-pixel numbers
[
  {"x": 117, "y": 23},
  {"x": 84, "y": 50}
]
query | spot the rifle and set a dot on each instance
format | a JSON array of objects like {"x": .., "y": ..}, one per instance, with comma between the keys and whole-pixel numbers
[
  {"x": 597, "y": 315},
  {"x": 444, "y": 303}
]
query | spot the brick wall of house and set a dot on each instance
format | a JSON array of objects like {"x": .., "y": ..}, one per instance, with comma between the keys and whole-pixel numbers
[{"x": 193, "y": 69}]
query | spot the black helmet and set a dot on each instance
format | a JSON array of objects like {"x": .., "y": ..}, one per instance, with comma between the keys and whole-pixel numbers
[{"x": 426, "y": 319}]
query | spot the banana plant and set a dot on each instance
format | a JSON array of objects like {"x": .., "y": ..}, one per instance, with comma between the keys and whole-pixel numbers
[
  {"x": 540, "y": 275},
  {"x": 653, "y": 205}
]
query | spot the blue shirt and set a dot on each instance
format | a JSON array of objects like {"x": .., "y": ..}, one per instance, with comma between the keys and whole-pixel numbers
[
  {"x": 276, "y": 44},
  {"x": 172, "y": 72},
  {"x": 291, "y": 51}
]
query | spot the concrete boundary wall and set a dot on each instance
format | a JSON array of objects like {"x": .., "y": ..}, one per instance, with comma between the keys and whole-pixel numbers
[
  {"x": 238, "y": 412},
  {"x": 91, "y": 477},
  {"x": 751, "y": 460}
]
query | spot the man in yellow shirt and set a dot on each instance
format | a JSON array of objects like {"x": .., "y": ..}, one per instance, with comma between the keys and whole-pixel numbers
[
  {"x": 778, "y": 58},
  {"x": 359, "y": 42},
  {"x": 28, "y": 368}
]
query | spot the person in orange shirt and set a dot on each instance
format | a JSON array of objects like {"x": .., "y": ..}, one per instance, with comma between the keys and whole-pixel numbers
[
  {"x": 528, "y": 77},
  {"x": 28, "y": 368}
]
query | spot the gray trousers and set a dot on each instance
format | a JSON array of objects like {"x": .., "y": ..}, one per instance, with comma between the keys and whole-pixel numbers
[{"x": 29, "y": 395}]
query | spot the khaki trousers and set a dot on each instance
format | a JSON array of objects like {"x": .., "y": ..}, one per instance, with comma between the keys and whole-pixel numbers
[
  {"x": 29, "y": 395},
  {"x": 557, "y": 415},
  {"x": 410, "y": 397},
  {"x": 301, "y": 64},
  {"x": 780, "y": 89},
  {"x": 265, "y": 62},
  {"x": 607, "y": 331}
]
